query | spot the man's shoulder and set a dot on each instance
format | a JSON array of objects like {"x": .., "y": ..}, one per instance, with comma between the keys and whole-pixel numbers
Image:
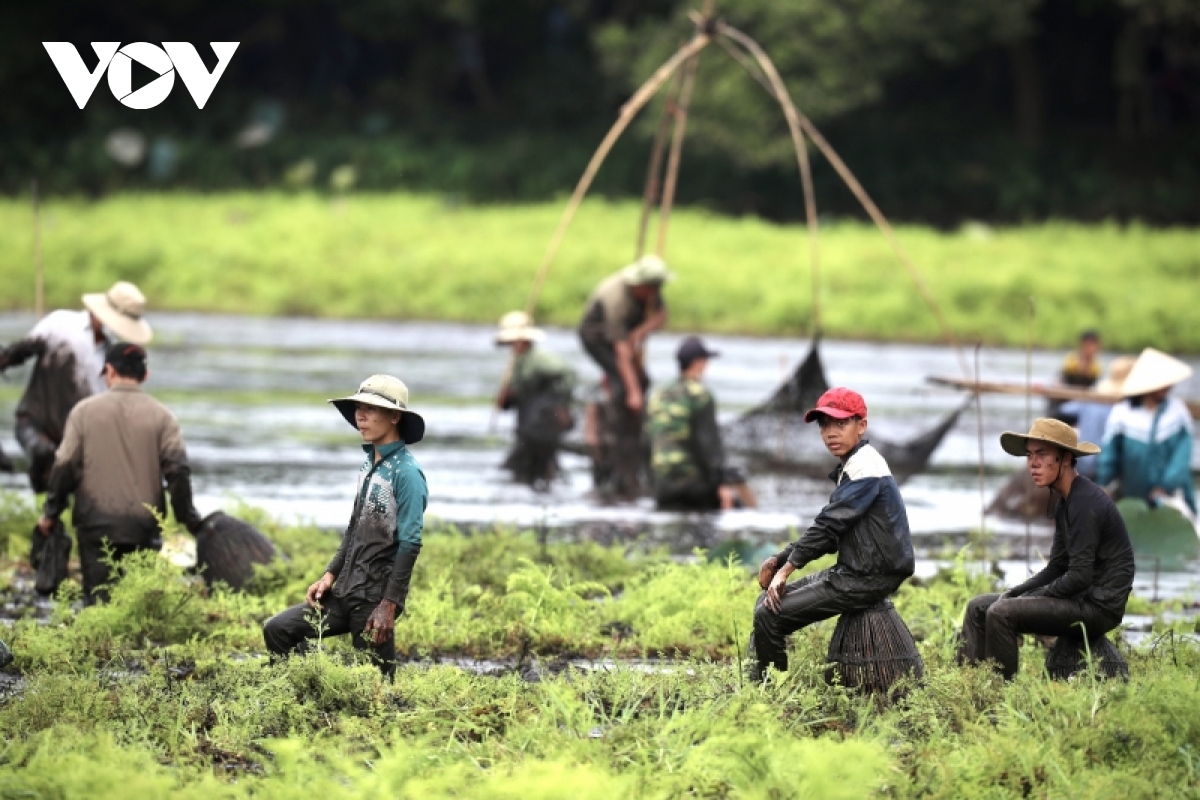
[{"x": 866, "y": 463}]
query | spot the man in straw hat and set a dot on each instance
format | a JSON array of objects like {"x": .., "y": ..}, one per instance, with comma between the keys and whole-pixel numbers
[
  {"x": 621, "y": 314},
  {"x": 68, "y": 348},
  {"x": 539, "y": 386},
  {"x": 1148, "y": 438},
  {"x": 864, "y": 522},
  {"x": 119, "y": 450},
  {"x": 1090, "y": 571},
  {"x": 365, "y": 586}
]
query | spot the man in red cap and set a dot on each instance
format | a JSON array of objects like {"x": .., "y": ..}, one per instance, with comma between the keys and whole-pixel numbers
[{"x": 864, "y": 522}]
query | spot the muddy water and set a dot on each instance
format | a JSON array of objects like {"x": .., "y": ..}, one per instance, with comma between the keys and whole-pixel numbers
[{"x": 248, "y": 392}]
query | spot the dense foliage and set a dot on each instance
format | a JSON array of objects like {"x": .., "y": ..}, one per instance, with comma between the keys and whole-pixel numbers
[
  {"x": 309, "y": 255},
  {"x": 164, "y": 691}
]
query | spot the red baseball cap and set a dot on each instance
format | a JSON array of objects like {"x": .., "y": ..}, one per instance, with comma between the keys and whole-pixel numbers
[{"x": 839, "y": 403}]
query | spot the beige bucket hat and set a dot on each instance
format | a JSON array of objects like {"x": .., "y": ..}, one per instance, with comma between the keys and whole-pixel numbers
[
  {"x": 1152, "y": 371},
  {"x": 1051, "y": 431},
  {"x": 384, "y": 391},
  {"x": 1118, "y": 371},
  {"x": 516, "y": 326},
  {"x": 121, "y": 309},
  {"x": 648, "y": 269}
]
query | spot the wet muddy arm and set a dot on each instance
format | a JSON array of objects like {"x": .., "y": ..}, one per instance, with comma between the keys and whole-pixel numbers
[
  {"x": 21, "y": 351},
  {"x": 1080, "y": 567},
  {"x": 412, "y": 494},
  {"x": 339, "y": 558},
  {"x": 177, "y": 474},
  {"x": 1055, "y": 567}
]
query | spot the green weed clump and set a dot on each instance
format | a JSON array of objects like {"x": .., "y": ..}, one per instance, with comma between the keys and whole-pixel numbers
[
  {"x": 228, "y": 253},
  {"x": 166, "y": 691}
]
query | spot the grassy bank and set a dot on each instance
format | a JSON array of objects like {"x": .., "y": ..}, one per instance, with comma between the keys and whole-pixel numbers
[
  {"x": 417, "y": 257},
  {"x": 162, "y": 693}
]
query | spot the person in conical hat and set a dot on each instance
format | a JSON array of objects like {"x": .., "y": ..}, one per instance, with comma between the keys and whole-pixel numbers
[
  {"x": 68, "y": 349},
  {"x": 622, "y": 312},
  {"x": 540, "y": 386},
  {"x": 1091, "y": 416},
  {"x": 1089, "y": 575},
  {"x": 365, "y": 586},
  {"x": 1148, "y": 438}
]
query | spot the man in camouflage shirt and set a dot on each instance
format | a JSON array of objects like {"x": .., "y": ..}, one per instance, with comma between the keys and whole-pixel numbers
[
  {"x": 687, "y": 458},
  {"x": 539, "y": 387},
  {"x": 365, "y": 586}
]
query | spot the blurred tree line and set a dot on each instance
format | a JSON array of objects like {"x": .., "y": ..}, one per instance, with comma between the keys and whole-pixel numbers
[{"x": 988, "y": 109}]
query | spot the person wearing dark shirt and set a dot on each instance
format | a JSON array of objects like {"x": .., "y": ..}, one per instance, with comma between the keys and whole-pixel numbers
[
  {"x": 864, "y": 522},
  {"x": 1090, "y": 571}
]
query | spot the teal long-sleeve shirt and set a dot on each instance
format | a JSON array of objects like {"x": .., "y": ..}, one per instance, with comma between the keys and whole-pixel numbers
[
  {"x": 1147, "y": 450},
  {"x": 384, "y": 535}
]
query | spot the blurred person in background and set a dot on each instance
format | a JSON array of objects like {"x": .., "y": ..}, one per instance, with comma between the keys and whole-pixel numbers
[
  {"x": 1080, "y": 369},
  {"x": 687, "y": 459},
  {"x": 68, "y": 349},
  {"x": 1091, "y": 417},
  {"x": 1148, "y": 439},
  {"x": 620, "y": 315},
  {"x": 539, "y": 387}
]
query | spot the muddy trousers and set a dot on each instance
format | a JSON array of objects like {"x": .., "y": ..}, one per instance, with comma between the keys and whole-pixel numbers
[
  {"x": 809, "y": 600},
  {"x": 40, "y": 449},
  {"x": 992, "y": 627},
  {"x": 95, "y": 568},
  {"x": 290, "y": 631}
]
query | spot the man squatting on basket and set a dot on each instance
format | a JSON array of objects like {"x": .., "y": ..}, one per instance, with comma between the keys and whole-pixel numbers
[
  {"x": 864, "y": 522},
  {"x": 1090, "y": 571},
  {"x": 365, "y": 585}
]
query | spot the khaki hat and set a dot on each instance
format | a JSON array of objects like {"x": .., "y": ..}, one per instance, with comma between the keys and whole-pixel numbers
[
  {"x": 516, "y": 326},
  {"x": 1154, "y": 370},
  {"x": 121, "y": 309},
  {"x": 384, "y": 391},
  {"x": 1118, "y": 371},
  {"x": 649, "y": 269},
  {"x": 1050, "y": 431}
]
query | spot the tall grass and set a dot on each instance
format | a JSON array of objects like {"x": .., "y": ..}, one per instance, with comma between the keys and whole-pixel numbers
[
  {"x": 420, "y": 257},
  {"x": 164, "y": 692}
]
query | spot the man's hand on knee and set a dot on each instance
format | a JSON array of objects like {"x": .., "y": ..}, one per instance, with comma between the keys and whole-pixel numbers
[{"x": 317, "y": 590}]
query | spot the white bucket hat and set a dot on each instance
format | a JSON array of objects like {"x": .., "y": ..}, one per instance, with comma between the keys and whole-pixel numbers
[
  {"x": 1118, "y": 371},
  {"x": 1154, "y": 370},
  {"x": 516, "y": 326},
  {"x": 121, "y": 309},
  {"x": 384, "y": 391},
  {"x": 649, "y": 269}
]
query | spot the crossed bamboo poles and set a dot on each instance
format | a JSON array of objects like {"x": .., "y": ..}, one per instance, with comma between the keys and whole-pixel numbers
[{"x": 751, "y": 56}]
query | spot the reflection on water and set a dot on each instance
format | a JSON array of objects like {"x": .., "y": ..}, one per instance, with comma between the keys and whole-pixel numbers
[{"x": 249, "y": 394}]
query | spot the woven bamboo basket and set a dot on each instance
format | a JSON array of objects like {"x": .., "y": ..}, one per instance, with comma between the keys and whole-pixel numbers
[
  {"x": 1068, "y": 656},
  {"x": 872, "y": 649}
]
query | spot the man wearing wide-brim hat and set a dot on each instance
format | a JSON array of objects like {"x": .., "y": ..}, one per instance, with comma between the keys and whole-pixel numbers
[
  {"x": 1089, "y": 575},
  {"x": 1148, "y": 438},
  {"x": 540, "y": 386},
  {"x": 622, "y": 312},
  {"x": 68, "y": 348},
  {"x": 365, "y": 586}
]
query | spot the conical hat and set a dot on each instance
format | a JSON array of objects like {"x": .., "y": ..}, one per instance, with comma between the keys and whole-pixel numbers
[{"x": 1154, "y": 370}]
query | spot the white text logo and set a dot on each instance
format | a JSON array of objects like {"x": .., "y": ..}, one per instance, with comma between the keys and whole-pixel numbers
[{"x": 118, "y": 61}]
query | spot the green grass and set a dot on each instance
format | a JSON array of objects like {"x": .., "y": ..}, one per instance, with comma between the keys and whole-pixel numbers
[
  {"x": 416, "y": 257},
  {"x": 106, "y": 711}
]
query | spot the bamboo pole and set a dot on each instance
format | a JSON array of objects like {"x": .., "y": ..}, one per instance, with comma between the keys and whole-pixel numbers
[
  {"x": 768, "y": 68},
  {"x": 653, "y": 185},
  {"x": 777, "y": 90},
  {"x": 628, "y": 112},
  {"x": 39, "y": 296}
]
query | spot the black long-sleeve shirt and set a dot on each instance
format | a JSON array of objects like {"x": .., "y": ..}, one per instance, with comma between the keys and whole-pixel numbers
[{"x": 1091, "y": 557}]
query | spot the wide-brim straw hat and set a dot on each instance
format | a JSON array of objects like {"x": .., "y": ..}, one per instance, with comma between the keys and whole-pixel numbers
[
  {"x": 1050, "y": 431},
  {"x": 120, "y": 309},
  {"x": 1114, "y": 381},
  {"x": 1154, "y": 370},
  {"x": 516, "y": 326},
  {"x": 647, "y": 270},
  {"x": 384, "y": 391}
]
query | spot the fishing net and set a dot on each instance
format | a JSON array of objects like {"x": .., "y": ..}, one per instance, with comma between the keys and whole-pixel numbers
[
  {"x": 228, "y": 548},
  {"x": 872, "y": 649},
  {"x": 774, "y": 436},
  {"x": 1069, "y": 656}
]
